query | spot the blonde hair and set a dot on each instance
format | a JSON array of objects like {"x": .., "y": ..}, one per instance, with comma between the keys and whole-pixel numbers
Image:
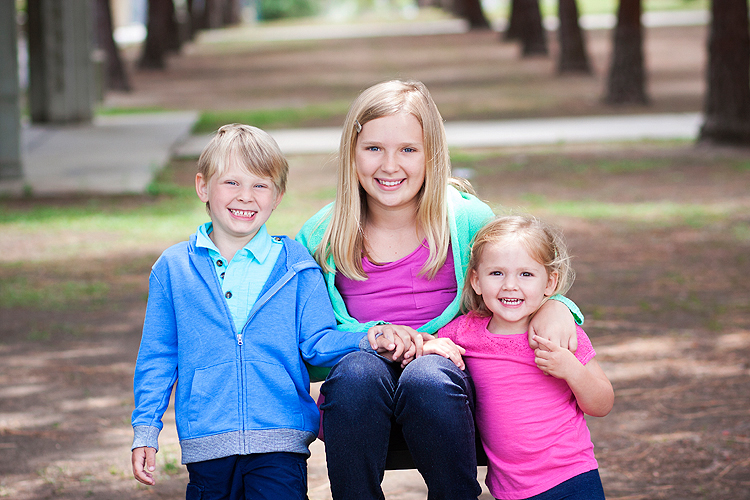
[
  {"x": 344, "y": 236},
  {"x": 254, "y": 149},
  {"x": 544, "y": 242}
]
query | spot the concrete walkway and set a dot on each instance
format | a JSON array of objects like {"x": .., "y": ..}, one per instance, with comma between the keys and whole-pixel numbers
[
  {"x": 112, "y": 155},
  {"x": 120, "y": 154},
  {"x": 502, "y": 133}
]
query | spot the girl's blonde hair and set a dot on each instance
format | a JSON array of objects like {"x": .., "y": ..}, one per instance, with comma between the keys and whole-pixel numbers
[
  {"x": 344, "y": 237},
  {"x": 252, "y": 148},
  {"x": 544, "y": 242}
]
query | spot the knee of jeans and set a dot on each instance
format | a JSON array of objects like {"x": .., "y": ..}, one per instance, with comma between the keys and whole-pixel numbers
[
  {"x": 356, "y": 373},
  {"x": 433, "y": 374}
]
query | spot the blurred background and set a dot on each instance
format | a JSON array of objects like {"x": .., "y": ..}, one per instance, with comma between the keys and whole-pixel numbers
[{"x": 626, "y": 122}]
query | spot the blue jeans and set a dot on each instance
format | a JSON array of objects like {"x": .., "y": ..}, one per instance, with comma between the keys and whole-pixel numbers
[
  {"x": 260, "y": 476},
  {"x": 433, "y": 402},
  {"x": 586, "y": 486}
]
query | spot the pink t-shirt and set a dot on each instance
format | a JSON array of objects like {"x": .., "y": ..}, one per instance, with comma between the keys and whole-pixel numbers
[
  {"x": 395, "y": 291},
  {"x": 531, "y": 427}
]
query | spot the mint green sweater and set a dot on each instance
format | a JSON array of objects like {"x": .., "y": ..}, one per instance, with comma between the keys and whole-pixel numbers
[{"x": 466, "y": 215}]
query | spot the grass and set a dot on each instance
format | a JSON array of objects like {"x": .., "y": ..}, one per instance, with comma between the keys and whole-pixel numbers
[{"x": 210, "y": 121}]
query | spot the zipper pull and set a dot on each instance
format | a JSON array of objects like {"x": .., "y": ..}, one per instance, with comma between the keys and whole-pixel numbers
[{"x": 239, "y": 339}]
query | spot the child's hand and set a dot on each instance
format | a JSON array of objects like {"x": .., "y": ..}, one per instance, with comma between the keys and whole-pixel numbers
[
  {"x": 411, "y": 340},
  {"x": 448, "y": 349},
  {"x": 389, "y": 346},
  {"x": 555, "y": 322},
  {"x": 553, "y": 359},
  {"x": 144, "y": 464}
]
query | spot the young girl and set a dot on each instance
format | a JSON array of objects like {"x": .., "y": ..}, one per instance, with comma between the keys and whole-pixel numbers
[
  {"x": 393, "y": 247},
  {"x": 531, "y": 425}
]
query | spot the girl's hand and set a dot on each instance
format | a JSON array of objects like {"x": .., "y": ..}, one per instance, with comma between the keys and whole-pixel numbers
[
  {"x": 554, "y": 322},
  {"x": 590, "y": 385},
  {"x": 555, "y": 360},
  {"x": 390, "y": 348},
  {"x": 411, "y": 339},
  {"x": 448, "y": 349},
  {"x": 144, "y": 464}
]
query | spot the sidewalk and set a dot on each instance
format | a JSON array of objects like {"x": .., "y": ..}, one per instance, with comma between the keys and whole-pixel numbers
[
  {"x": 486, "y": 134},
  {"x": 112, "y": 155},
  {"x": 120, "y": 154}
]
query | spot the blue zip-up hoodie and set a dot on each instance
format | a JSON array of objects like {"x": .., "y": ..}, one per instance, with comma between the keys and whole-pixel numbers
[{"x": 236, "y": 392}]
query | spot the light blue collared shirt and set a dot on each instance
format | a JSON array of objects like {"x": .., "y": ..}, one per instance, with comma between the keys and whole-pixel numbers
[{"x": 243, "y": 277}]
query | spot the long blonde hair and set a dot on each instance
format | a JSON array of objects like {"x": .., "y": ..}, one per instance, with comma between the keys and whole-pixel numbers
[
  {"x": 344, "y": 236},
  {"x": 544, "y": 242}
]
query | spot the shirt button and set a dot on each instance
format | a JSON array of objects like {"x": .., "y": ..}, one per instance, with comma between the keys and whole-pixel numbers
[
  {"x": 222, "y": 275},
  {"x": 228, "y": 295},
  {"x": 219, "y": 263}
]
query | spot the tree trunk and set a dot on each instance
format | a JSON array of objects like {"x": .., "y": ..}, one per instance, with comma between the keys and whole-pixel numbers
[
  {"x": 232, "y": 12},
  {"x": 627, "y": 81},
  {"x": 471, "y": 10},
  {"x": 513, "y": 31},
  {"x": 213, "y": 14},
  {"x": 727, "y": 102},
  {"x": 156, "y": 44},
  {"x": 532, "y": 33},
  {"x": 115, "y": 77},
  {"x": 573, "y": 56}
]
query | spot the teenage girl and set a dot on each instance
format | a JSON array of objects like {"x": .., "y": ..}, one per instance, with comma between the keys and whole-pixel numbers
[
  {"x": 530, "y": 403},
  {"x": 393, "y": 248}
]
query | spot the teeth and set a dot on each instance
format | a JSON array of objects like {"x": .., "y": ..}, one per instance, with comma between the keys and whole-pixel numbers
[
  {"x": 390, "y": 183},
  {"x": 242, "y": 213},
  {"x": 512, "y": 302}
]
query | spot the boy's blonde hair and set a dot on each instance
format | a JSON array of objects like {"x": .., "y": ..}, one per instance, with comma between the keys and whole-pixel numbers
[
  {"x": 254, "y": 150},
  {"x": 344, "y": 237},
  {"x": 544, "y": 242}
]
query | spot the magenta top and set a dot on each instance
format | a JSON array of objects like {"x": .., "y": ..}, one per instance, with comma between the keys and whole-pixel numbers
[
  {"x": 532, "y": 429},
  {"x": 395, "y": 291}
]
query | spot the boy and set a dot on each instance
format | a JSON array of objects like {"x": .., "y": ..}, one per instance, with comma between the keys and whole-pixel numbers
[{"x": 233, "y": 314}]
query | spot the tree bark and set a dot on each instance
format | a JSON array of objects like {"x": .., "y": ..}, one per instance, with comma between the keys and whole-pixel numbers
[
  {"x": 527, "y": 21},
  {"x": 627, "y": 79},
  {"x": 727, "y": 101},
  {"x": 513, "y": 31},
  {"x": 573, "y": 56},
  {"x": 156, "y": 44},
  {"x": 471, "y": 10},
  {"x": 162, "y": 35},
  {"x": 116, "y": 78},
  {"x": 232, "y": 12}
]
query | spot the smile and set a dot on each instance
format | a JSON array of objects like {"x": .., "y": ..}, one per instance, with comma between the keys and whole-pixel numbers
[
  {"x": 390, "y": 183},
  {"x": 242, "y": 213},
  {"x": 511, "y": 302}
]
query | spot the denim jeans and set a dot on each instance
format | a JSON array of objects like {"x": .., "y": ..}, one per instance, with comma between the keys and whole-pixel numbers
[
  {"x": 260, "y": 476},
  {"x": 433, "y": 402},
  {"x": 586, "y": 486}
]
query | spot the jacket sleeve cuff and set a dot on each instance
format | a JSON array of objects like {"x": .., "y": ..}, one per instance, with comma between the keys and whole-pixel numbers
[
  {"x": 144, "y": 435},
  {"x": 577, "y": 314}
]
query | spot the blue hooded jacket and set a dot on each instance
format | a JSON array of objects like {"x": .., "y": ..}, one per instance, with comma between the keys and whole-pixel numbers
[{"x": 236, "y": 392}]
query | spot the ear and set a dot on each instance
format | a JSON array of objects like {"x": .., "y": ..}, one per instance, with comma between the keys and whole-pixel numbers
[
  {"x": 474, "y": 280},
  {"x": 551, "y": 284},
  {"x": 201, "y": 187},
  {"x": 278, "y": 200}
]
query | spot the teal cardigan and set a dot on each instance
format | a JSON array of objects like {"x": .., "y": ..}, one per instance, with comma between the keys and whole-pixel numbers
[{"x": 466, "y": 215}]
